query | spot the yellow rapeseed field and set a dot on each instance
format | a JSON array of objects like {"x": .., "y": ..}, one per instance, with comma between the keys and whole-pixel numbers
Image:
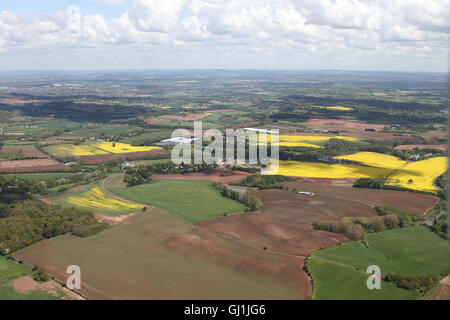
[
  {"x": 340, "y": 108},
  {"x": 70, "y": 149},
  {"x": 415, "y": 175},
  {"x": 96, "y": 148},
  {"x": 307, "y": 141},
  {"x": 118, "y": 147},
  {"x": 374, "y": 159},
  {"x": 97, "y": 200},
  {"x": 336, "y": 171},
  {"x": 419, "y": 175}
]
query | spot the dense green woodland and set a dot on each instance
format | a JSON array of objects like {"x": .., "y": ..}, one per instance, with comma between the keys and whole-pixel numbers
[{"x": 26, "y": 222}]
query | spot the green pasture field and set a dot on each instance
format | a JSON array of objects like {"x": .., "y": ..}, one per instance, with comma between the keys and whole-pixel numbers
[
  {"x": 340, "y": 282},
  {"x": 90, "y": 132},
  {"x": 194, "y": 201},
  {"x": 7, "y": 292},
  {"x": 9, "y": 270},
  {"x": 39, "y": 176},
  {"x": 406, "y": 251}
]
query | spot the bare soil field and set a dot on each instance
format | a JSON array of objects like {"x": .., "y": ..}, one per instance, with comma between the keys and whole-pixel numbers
[
  {"x": 411, "y": 201},
  {"x": 323, "y": 181},
  {"x": 10, "y": 150},
  {"x": 16, "y": 101},
  {"x": 151, "y": 121},
  {"x": 112, "y": 157},
  {"x": 442, "y": 292},
  {"x": 307, "y": 209},
  {"x": 284, "y": 223},
  {"x": 27, "y": 284},
  {"x": 157, "y": 256},
  {"x": 345, "y": 124},
  {"x": 34, "y": 153},
  {"x": 437, "y": 135},
  {"x": 70, "y": 138},
  {"x": 211, "y": 175},
  {"x": 37, "y": 165},
  {"x": 274, "y": 233},
  {"x": 352, "y": 128},
  {"x": 422, "y": 146}
]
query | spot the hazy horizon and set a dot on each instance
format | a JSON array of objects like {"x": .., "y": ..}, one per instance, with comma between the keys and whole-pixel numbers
[{"x": 369, "y": 35}]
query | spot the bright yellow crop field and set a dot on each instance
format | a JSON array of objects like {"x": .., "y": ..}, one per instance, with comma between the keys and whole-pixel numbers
[
  {"x": 95, "y": 148},
  {"x": 422, "y": 173},
  {"x": 340, "y": 108},
  {"x": 71, "y": 149},
  {"x": 374, "y": 159},
  {"x": 307, "y": 141},
  {"x": 415, "y": 175},
  {"x": 336, "y": 171},
  {"x": 95, "y": 199},
  {"x": 298, "y": 144},
  {"x": 121, "y": 147}
]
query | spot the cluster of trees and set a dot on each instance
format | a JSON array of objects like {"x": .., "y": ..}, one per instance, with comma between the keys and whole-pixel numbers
[
  {"x": 40, "y": 275},
  {"x": 26, "y": 222},
  {"x": 413, "y": 282},
  {"x": 349, "y": 229},
  {"x": 388, "y": 218},
  {"x": 250, "y": 197},
  {"x": 142, "y": 174},
  {"x": 16, "y": 189},
  {"x": 405, "y": 218},
  {"x": 137, "y": 176},
  {"x": 369, "y": 183},
  {"x": 440, "y": 227},
  {"x": 264, "y": 182}
]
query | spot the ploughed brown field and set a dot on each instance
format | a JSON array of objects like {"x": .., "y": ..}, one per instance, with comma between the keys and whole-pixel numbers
[
  {"x": 211, "y": 175},
  {"x": 353, "y": 128},
  {"x": 152, "y": 121},
  {"x": 274, "y": 233},
  {"x": 410, "y": 201},
  {"x": 155, "y": 255},
  {"x": 34, "y": 153},
  {"x": 285, "y": 221},
  {"x": 35, "y": 165},
  {"x": 112, "y": 157}
]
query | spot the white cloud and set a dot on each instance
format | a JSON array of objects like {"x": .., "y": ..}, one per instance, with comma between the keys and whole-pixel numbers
[{"x": 271, "y": 27}]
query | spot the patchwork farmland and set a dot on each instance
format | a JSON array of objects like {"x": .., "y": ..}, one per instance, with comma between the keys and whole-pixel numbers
[{"x": 361, "y": 181}]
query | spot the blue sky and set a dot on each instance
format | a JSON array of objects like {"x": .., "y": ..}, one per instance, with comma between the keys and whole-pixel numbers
[
  {"x": 42, "y": 7},
  {"x": 397, "y": 35}
]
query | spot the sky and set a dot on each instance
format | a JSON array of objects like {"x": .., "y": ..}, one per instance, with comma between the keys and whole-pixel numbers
[{"x": 382, "y": 35}]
